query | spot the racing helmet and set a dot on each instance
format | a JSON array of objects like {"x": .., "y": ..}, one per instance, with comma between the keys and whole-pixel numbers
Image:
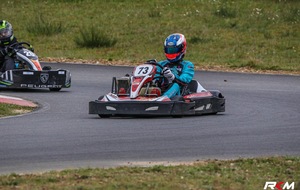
[
  {"x": 175, "y": 47},
  {"x": 6, "y": 32}
]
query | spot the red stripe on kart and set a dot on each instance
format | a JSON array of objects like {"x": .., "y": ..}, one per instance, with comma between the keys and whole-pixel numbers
[{"x": 200, "y": 94}]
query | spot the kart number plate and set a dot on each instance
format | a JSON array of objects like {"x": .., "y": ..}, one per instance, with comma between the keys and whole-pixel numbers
[{"x": 143, "y": 70}]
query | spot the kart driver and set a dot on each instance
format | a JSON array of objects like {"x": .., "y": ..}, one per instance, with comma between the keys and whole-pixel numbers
[
  {"x": 6, "y": 38},
  {"x": 177, "y": 71}
]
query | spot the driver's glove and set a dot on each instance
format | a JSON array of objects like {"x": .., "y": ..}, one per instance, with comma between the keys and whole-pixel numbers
[
  {"x": 3, "y": 51},
  {"x": 7, "y": 51},
  {"x": 168, "y": 74}
]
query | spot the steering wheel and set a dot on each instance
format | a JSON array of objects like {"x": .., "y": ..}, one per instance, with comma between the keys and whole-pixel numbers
[
  {"x": 20, "y": 45},
  {"x": 161, "y": 77},
  {"x": 154, "y": 62}
]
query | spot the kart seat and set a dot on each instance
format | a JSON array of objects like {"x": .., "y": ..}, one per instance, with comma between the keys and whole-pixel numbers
[{"x": 192, "y": 86}]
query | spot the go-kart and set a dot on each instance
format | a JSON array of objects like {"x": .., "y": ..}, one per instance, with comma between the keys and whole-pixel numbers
[
  {"x": 28, "y": 73},
  {"x": 142, "y": 95}
]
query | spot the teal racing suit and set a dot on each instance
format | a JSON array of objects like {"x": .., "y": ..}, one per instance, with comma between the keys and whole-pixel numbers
[{"x": 184, "y": 73}]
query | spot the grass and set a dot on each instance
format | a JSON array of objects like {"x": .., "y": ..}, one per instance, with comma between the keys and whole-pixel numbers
[
  {"x": 205, "y": 175},
  {"x": 260, "y": 35},
  {"x": 94, "y": 38},
  {"x": 10, "y": 109},
  {"x": 42, "y": 27}
]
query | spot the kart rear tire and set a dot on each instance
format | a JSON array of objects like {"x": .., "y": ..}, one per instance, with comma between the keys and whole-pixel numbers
[
  {"x": 104, "y": 116},
  {"x": 177, "y": 116},
  {"x": 54, "y": 89}
]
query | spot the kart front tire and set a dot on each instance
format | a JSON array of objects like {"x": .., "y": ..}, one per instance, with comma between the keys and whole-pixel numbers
[
  {"x": 54, "y": 89},
  {"x": 177, "y": 116},
  {"x": 104, "y": 116}
]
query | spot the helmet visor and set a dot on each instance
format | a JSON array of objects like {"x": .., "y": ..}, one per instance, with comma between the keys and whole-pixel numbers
[
  {"x": 5, "y": 33},
  {"x": 172, "y": 56},
  {"x": 173, "y": 49}
]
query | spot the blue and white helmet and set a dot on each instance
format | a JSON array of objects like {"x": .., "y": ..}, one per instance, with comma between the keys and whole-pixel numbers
[{"x": 175, "y": 47}]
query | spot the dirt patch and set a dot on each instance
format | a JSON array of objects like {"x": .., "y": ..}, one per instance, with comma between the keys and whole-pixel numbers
[{"x": 20, "y": 111}]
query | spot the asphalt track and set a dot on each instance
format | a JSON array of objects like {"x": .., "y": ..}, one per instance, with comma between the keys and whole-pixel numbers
[{"x": 262, "y": 118}]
